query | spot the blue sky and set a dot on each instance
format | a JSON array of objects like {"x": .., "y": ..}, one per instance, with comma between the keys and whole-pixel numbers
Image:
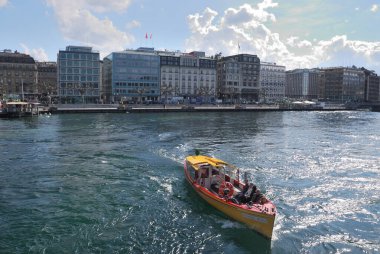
[{"x": 295, "y": 33}]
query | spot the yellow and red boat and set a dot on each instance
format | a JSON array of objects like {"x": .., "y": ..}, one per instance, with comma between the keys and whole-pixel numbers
[{"x": 219, "y": 184}]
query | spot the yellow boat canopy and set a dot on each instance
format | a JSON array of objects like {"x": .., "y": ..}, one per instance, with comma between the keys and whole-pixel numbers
[{"x": 201, "y": 159}]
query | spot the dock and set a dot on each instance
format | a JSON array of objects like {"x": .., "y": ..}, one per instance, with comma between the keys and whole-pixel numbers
[{"x": 160, "y": 108}]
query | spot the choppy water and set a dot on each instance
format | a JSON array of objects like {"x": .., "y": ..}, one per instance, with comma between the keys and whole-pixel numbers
[{"x": 114, "y": 183}]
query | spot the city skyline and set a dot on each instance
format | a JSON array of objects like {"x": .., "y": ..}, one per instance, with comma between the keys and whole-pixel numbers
[{"x": 296, "y": 34}]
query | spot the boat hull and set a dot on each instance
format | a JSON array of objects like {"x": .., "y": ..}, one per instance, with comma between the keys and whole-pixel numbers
[{"x": 261, "y": 222}]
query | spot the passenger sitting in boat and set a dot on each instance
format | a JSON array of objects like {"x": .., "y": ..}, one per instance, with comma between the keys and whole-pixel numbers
[
  {"x": 246, "y": 194},
  {"x": 250, "y": 192},
  {"x": 246, "y": 185},
  {"x": 204, "y": 171},
  {"x": 257, "y": 197},
  {"x": 215, "y": 180},
  {"x": 203, "y": 175},
  {"x": 241, "y": 194}
]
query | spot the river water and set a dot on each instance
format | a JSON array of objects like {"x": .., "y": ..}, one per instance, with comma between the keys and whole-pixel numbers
[{"x": 114, "y": 183}]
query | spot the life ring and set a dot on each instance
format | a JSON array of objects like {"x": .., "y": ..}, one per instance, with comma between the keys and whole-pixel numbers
[{"x": 226, "y": 185}]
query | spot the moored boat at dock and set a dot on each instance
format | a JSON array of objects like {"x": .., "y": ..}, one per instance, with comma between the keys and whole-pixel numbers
[{"x": 16, "y": 109}]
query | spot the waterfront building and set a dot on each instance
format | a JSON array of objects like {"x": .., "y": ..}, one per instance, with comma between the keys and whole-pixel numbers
[
  {"x": 18, "y": 75},
  {"x": 205, "y": 89},
  {"x": 170, "y": 76},
  {"x": 132, "y": 76},
  {"x": 102, "y": 91},
  {"x": 303, "y": 84},
  {"x": 238, "y": 78},
  {"x": 372, "y": 86},
  {"x": 343, "y": 84},
  {"x": 78, "y": 75},
  {"x": 146, "y": 75},
  {"x": 47, "y": 79},
  {"x": 272, "y": 82},
  {"x": 187, "y": 76},
  {"x": 107, "y": 80}
]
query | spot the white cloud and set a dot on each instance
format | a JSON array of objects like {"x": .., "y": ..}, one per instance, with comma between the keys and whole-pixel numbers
[
  {"x": 294, "y": 41},
  {"x": 246, "y": 14},
  {"x": 78, "y": 23},
  {"x": 133, "y": 24},
  {"x": 266, "y": 4},
  {"x": 341, "y": 51},
  {"x": 38, "y": 54},
  {"x": 3, "y": 3},
  {"x": 202, "y": 23},
  {"x": 374, "y": 8},
  {"x": 247, "y": 25}
]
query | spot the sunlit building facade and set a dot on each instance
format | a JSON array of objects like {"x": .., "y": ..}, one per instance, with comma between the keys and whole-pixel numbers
[
  {"x": 303, "y": 84},
  {"x": 238, "y": 78},
  {"x": 372, "y": 86},
  {"x": 190, "y": 76},
  {"x": 272, "y": 82},
  {"x": 133, "y": 76},
  {"x": 47, "y": 78},
  {"x": 343, "y": 84},
  {"x": 170, "y": 76},
  {"x": 18, "y": 76},
  {"x": 78, "y": 75}
]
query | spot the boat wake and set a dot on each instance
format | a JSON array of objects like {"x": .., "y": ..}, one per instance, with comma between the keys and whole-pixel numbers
[
  {"x": 177, "y": 154},
  {"x": 231, "y": 224},
  {"x": 166, "y": 184}
]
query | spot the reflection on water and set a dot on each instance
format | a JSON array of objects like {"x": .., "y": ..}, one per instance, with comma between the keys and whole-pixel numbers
[{"x": 114, "y": 182}]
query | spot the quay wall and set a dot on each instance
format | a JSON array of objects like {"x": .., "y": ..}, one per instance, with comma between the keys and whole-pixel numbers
[{"x": 169, "y": 109}]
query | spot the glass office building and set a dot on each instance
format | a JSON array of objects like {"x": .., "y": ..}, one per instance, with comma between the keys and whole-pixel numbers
[
  {"x": 79, "y": 78},
  {"x": 135, "y": 76}
]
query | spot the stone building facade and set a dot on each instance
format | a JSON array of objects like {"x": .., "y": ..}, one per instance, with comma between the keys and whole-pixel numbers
[
  {"x": 303, "y": 84},
  {"x": 47, "y": 78},
  {"x": 188, "y": 76},
  {"x": 238, "y": 78},
  {"x": 343, "y": 84},
  {"x": 272, "y": 82},
  {"x": 18, "y": 76}
]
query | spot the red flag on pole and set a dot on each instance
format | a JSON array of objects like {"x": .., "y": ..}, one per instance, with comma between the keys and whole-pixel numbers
[{"x": 146, "y": 35}]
